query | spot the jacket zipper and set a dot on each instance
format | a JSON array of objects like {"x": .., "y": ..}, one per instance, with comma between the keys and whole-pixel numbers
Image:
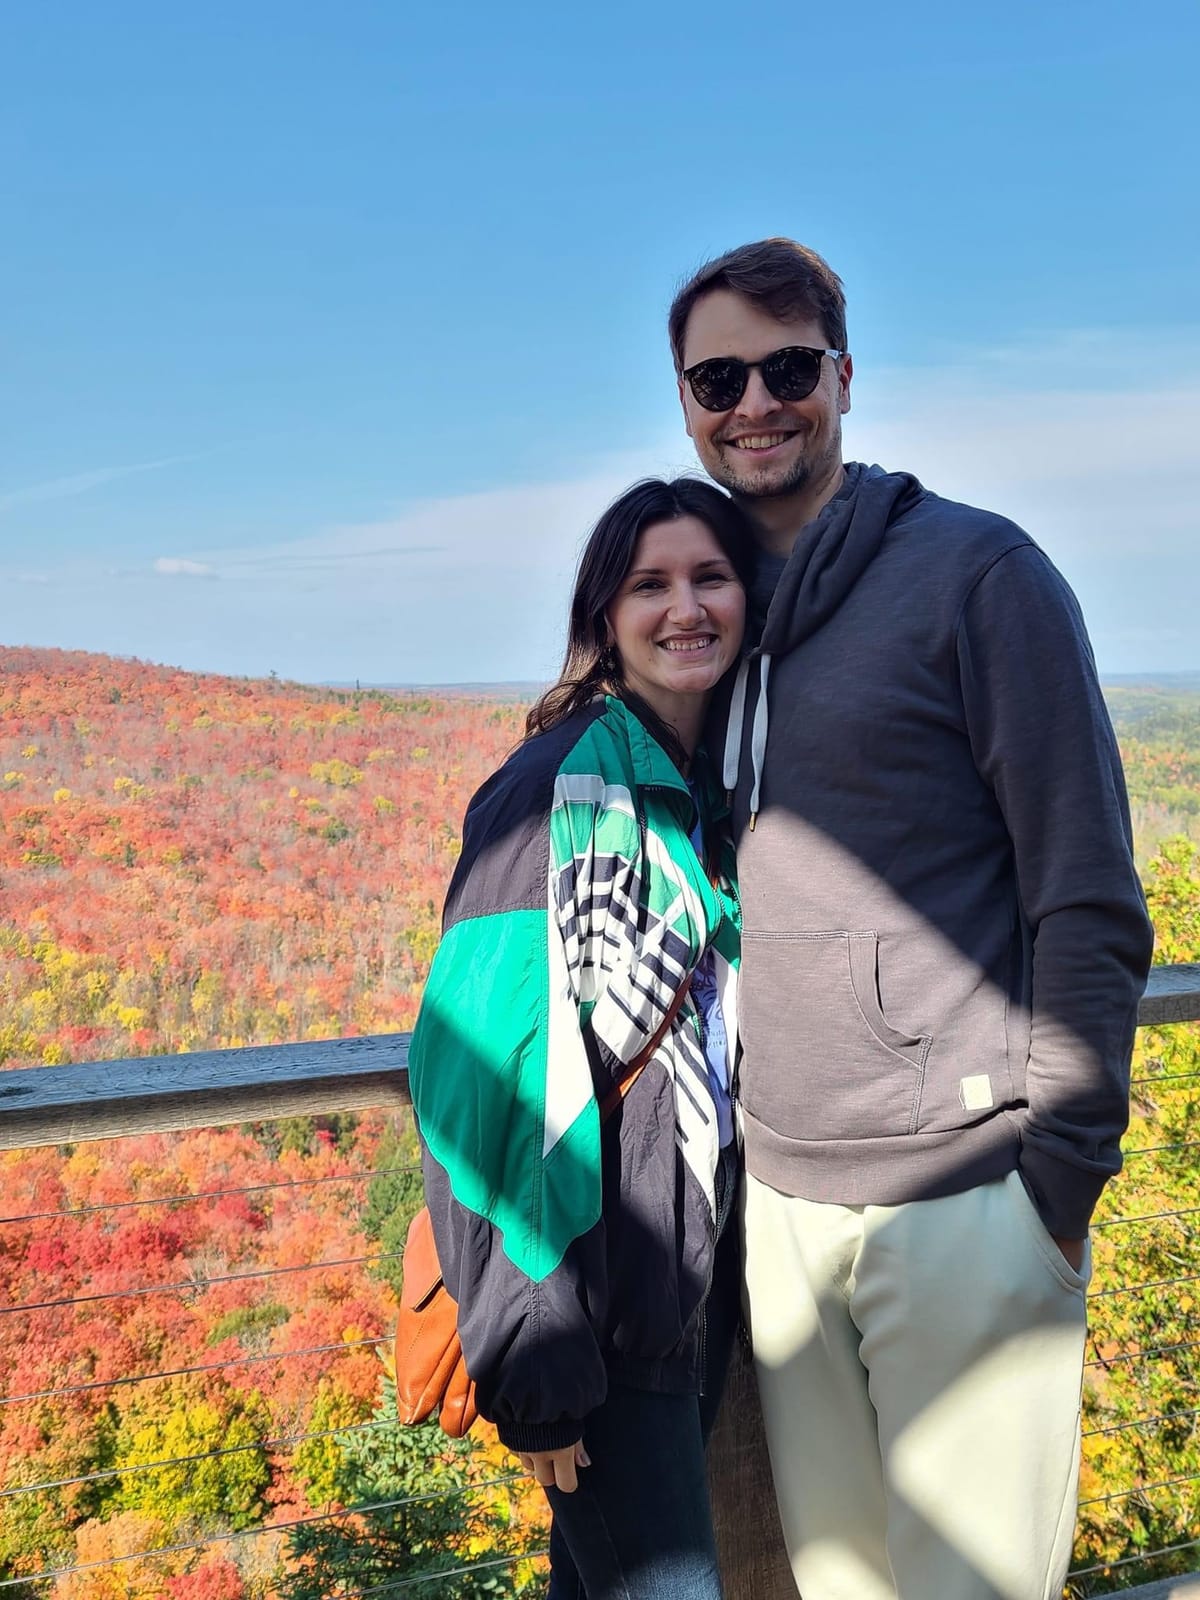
[
  {"x": 702, "y": 1337},
  {"x": 702, "y": 1350}
]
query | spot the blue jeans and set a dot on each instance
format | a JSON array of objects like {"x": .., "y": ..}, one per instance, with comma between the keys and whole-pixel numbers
[{"x": 639, "y": 1527}]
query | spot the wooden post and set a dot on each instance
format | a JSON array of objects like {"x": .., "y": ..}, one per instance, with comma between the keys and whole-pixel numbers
[{"x": 754, "y": 1565}]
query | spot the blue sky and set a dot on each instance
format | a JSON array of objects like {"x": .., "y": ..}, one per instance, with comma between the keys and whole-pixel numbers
[{"x": 327, "y": 329}]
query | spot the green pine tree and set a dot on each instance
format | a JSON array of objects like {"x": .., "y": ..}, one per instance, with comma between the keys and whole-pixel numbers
[
  {"x": 394, "y": 1198},
  {"x": 431, "y": 1528}
]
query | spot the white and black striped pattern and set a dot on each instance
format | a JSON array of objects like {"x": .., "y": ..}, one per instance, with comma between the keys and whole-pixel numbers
[{"x": 631, "y": 964}]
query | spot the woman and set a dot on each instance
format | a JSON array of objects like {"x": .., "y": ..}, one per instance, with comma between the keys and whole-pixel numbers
[{"x": 592, "y": 921}]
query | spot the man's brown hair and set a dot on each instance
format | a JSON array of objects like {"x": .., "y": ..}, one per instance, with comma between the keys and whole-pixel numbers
[{"x": 786, "y": 280}]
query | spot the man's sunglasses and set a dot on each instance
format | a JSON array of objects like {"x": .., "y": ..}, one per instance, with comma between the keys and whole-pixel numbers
[{"x": 789, "y": 374}]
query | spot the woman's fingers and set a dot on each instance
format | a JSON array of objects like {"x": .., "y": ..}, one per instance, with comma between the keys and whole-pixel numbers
[
  {"x": 556, "y": 1468},
  {"x": 564, "y": 1469}
]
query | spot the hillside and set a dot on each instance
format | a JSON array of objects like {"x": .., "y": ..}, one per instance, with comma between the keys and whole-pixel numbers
[
  {"x": 1158, "y": 725},
  {"x": 190, "y": 862}
]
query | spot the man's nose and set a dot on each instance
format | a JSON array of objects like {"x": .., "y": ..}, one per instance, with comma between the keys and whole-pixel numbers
[{"x": 757, "y": 400}]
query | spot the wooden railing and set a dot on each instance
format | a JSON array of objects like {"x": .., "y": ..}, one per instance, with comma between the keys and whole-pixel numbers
[
  {"x": 158, "y": 1094},
  {"x": 112, "y": 1099}
]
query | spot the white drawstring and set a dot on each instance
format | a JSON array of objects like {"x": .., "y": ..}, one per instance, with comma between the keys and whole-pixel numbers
[
  {"x": 758, "y": 734},
  {"x": 733, "y": 728},
  {"x": 758, "y": 737}
]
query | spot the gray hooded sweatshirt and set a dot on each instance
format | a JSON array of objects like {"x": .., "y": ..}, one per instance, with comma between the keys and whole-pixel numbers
[{"x": 945, "y": 938}]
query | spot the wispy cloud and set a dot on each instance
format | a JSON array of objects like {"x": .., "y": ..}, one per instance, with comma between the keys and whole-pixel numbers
[
  {"x": 270, "y": 563},
  {"x": 80, "y": 482},
  {"x": 1115, "y": 359},
  {"x": 474, "y": 587},
  {"x": 179, "y": 567}
]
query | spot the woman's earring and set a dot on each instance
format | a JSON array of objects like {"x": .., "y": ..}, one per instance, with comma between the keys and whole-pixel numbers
[{"x": 609, "y": 662}]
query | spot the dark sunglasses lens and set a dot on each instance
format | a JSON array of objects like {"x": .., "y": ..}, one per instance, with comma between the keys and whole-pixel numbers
[
  {"x": 719, "y": 384},
  {"x": 792, "y": 374}
]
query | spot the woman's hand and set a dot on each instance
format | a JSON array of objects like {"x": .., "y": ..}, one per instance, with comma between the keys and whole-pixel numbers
[{"x": 556, "y": 1468}]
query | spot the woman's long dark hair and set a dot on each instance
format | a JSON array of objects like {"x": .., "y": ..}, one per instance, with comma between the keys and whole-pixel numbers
[{"x": 590, "y": 667}]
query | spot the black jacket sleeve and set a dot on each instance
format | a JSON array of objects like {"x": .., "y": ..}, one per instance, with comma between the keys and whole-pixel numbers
[{"x": 530, "y": 1347}]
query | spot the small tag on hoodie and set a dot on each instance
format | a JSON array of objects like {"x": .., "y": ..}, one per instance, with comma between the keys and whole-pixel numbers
[{"x": 976, "y": 1092}]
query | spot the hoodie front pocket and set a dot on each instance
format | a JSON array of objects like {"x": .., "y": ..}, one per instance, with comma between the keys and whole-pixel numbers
[{"x": 821, "y": 1059}]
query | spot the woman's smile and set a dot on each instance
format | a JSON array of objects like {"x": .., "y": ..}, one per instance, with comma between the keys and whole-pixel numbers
[{"x": 699, "y": 642}]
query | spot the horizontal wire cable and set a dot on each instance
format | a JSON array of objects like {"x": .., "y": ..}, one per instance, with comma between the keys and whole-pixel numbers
[
  {"x": 1163, "y": 1077},
  {"x": 187, "y": 1372},
  {"x": 236, "y": 1533},
  {"x": 1148, "y": 1488},
  {"x": 194, "y": 1285},
  {"x": 209, "y": 1194},
  {"x": 1139, "y": 1355},
  {"x": 1141, "y": 1288},
  {"x": 1148, "y": 1216},
  {"x": 461, "y": 1492},
  {"x": 181, "y": 1461},
  {"x": 1133, "y": 1560},
  {"x": 1141, "y": 1422},
  {"x": 1129, "y": 1561},
  {"x": 1158, "y": 1149},
  {"x": 394, "y": 1584}
]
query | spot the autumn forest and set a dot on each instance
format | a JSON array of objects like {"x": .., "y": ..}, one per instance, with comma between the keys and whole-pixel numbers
[{"x": 194, "y": 1395}]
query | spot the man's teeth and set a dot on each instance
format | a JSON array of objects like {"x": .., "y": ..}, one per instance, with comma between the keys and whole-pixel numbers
[
  {"x": 688, "y": 644},
  {"x": 760, "y": 441}
]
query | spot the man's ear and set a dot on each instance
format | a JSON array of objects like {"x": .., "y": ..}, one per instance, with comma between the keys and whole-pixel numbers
[
  {"x": 845, "y": 374},
  {"x": 687, "y": 421}
]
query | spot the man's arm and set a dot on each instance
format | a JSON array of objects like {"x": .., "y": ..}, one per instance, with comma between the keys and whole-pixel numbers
[{"x": 1043, "y": 741}]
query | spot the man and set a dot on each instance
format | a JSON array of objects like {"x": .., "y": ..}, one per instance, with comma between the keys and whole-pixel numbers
[{"x": 945, "y": 942}]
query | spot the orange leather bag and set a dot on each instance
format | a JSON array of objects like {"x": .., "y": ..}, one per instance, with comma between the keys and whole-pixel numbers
[{"x": 431, "y": 1374}]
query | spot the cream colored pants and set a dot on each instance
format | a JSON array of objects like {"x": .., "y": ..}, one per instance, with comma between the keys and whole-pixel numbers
[{"x": 920, "y": 1369}]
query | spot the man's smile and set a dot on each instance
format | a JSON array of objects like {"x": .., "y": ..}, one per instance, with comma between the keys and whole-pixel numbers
[{"x": 759, "y": 441}]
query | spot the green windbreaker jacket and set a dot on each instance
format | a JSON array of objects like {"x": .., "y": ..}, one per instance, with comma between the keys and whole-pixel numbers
[{"x": 575, "y": 913}]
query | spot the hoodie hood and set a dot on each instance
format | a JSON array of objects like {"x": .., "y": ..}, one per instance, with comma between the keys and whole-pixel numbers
[
  {"x": 830, "y": 555},
  {"x": 833, "y": 551}
]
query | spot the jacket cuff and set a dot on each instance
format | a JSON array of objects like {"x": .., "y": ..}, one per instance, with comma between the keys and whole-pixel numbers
[
  {"x": 1065, "y": 1195},
  {"x": 522, "y": 1437}
]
